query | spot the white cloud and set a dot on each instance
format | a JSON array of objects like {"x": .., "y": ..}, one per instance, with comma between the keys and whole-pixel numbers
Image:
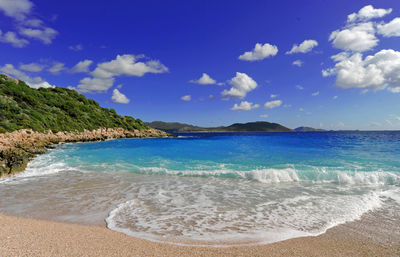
[
  {"x": 77, "y": 47},
  {"x": 244, "y": 106},
  {"x": 17, "y": 9},
  {"x": 204, "y": 80},
  {"x": 366, "y": 13},
  {"x": 118, "y": 97},
  {"x": 301, "y": 109},
  {"x": 375, "y": 72},
  {"x": 305, "y": 47},
  {"x": 298, "y": 63},
  {"x": 12, "y": 38},
  {"x": 273, "y": 104},
  {"x": 57, "y": 68},
  {"x": 33, "y": 23},
  {"x": 186, "y": 98},
  {"x": 241, "y": 85},
  {"x": 95, "y": 84},
  {"x": 46, "y": 35},
  {"x": 273, "y": 96},
  {"x": 315, "y": 93},
  {"x": 32, "y": 67},
  {"x": 299, "y": 87},
  {"x": 259, "y": 52},
  {"x": 127, "y": 65},
  {"x": 391, "y": 29},
  {"x": 82, "y": 66},
  {"x": 264, "y": 116},
  {"x": 357, "y": 38},
  {"x": 103, "y": 75},
  {"x": 35, "y": 82},
  {"x": 335, "y": 97}
]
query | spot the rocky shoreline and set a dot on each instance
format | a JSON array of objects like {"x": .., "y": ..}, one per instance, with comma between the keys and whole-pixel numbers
[{"x": 17, "y": 148}]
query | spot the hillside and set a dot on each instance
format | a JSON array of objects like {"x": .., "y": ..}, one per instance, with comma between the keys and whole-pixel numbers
[
  {"x": 258, "y": 126},
  {"x": 174, "y": 127},
  {"x": 308, "y": 129},
  {"x": 54, "y": 109}
]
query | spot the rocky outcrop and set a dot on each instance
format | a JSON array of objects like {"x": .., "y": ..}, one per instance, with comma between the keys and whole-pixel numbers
[{"x": 19, "y": 147}]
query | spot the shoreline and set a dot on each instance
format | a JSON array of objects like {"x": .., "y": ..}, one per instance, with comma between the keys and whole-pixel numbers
[
  {"x": 27, "y": 237},
  {"x": 19, "y": 147}
]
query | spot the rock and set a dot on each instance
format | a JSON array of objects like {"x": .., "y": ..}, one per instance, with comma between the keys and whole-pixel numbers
[{"x": 19, "y": 147}]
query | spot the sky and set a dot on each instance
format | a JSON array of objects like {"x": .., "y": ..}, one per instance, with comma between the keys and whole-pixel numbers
[{"x": 324, "y": 64}]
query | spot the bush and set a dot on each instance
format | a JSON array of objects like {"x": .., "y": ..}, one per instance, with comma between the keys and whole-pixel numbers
[{"x": 55, "y": 109}]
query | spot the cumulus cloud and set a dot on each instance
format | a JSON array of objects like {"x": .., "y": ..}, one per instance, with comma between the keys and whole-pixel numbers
[
  {"x": 28, "y": 26},
  {"x": 366, "y": 13},
  {"x": 32, "y": 67},
  {"x": 118, "y": 97},
  {"x": 305, "y": 47},
  {"x": 95, "y": 84},
  {"x": 390, "y": 29},
  {"x": 104, "y": 74},
  {"x": 33, "y": 82},
  {"x": 241, "y": 85},
  {"x": 244, "y": 106},
  {"x": 357, "y": 38},
  {"x": 375, "y": 72},
  {"x": 299, "y": 87},
  {"x": 273, "y": 96},
  {"x": 82, "y": 66},
  {"x": 77, "y": 47},
  {"x": 46, "y": 35},
  {"x": 13, "y": 39},
  {"x": 264, "y": 116},
  {"x": 17, "y": 9},
  {"x": 204, "y": 80},
  {"x": 56, "y": 68},
  {"x": 186, "y": 98},
  {"x": 259, "y": 52},
  {"x": 273, "y": 104},
  {"x": 298, "y": 63},
  {"x": 315, "y": 93},
  {"x": 335, "y": 97},
  {"x": 128, "y": 64}
]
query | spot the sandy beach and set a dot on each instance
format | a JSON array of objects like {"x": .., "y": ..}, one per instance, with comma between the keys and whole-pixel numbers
[{"x": 29, "y": 237}]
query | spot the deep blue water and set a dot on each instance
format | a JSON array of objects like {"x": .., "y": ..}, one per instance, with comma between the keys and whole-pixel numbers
[{"x": 258, "y": 187}]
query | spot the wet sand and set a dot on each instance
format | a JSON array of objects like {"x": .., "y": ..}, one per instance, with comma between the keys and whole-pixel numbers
[{"x": 29, "y": 237}]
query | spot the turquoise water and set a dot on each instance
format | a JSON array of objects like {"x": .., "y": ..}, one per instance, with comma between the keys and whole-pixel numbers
[{"x": 246, "y": 187}]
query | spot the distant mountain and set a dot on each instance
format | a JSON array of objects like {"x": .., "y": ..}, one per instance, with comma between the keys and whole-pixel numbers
[
  {"x": 258, "y": 126},
  {"x": 174, "y": 127},
  {"x": 308, "y": 129}
]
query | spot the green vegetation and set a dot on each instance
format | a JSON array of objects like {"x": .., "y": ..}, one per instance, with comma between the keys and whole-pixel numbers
[
  {"x": 55, "y": 109},
  {"x": 258, "y": 126}
]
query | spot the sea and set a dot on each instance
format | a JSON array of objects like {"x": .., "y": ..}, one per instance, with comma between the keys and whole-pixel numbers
[{"x": 213, "y": 188}]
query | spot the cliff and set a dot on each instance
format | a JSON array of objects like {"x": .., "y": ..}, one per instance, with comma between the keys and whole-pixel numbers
[{"x": 32, "y": 120}]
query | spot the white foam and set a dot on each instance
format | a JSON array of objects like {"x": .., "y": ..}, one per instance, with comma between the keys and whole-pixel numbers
[
  {"x": 284, "y": 175},
  {"x": 212, "y": 213}
]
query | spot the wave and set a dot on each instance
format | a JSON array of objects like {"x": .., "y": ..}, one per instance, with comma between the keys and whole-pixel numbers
[
  {"x": 282, "y": 175},
  {"x": 287, "y": 219}
]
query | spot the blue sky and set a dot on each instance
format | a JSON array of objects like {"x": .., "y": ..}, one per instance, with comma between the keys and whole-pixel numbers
[{"x": 325, "y": 64}]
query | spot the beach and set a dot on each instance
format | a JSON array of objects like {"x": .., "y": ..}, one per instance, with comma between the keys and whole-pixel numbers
[{"x": 30, "y": 237}]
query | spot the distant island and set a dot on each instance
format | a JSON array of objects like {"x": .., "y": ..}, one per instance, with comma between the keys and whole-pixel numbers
[
  {"x": 258, "y": 126},
  {"x": 32, "y": 120},
  {"x": 309, "y": 129}
]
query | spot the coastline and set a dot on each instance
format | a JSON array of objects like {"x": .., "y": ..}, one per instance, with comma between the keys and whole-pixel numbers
[
  {"x": 29, "y": 237},
  {"x": 19, "y": 147}
]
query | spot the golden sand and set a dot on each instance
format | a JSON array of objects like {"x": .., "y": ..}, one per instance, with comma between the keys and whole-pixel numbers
[{"x": 29, "y": 237}]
